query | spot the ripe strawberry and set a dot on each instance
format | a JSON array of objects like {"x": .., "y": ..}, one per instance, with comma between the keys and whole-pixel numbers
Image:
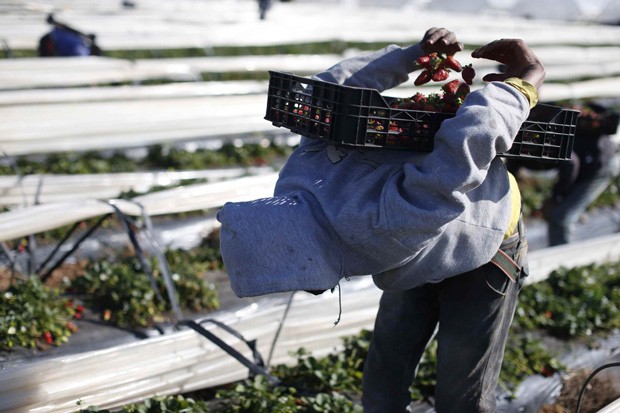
[
  {"x": 452, "y": 63},
  {"x": 418, "y": 97},
  {"x": 547, "y": 371},
  {"x": 433, "y": 102},
  {"x": 439, "y": 75},
  {"x": 423, "y": 78},
  {"x": 72, "y": 327},
  {"x": 468, "y": 74},
  {"x": 47, "y": 336},
  {"x": 463, "y": 90},
  {"x": 424, "y": 61},
  {"x": 451, "y": 87}
]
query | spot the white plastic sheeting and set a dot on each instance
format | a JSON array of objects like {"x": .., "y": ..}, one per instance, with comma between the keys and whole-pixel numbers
[
  {"x": 45, "y": 189},
  {"x": 38, "y": 218},
  {"x": 181, "y": 361},
  {"x": 158, "y": 24},
  {"x": 614, "y": 407},
  {"x": 24, "y": 73},
  {"x": 92, "y": 125}
]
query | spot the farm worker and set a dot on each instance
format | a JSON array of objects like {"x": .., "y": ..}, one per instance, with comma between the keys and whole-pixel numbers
[
  {"x": 594, "y": 163},
  {"x": 440, "y": 232}
]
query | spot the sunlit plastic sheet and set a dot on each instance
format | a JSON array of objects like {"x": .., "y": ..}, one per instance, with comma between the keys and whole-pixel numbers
[
  {"x": 42, "y": 189},
  {"x": 37, "y": 218},
  {"x": 181, "y": 361}
]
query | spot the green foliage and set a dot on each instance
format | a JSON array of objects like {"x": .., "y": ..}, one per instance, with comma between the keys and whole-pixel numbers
[
  {"x": 573, "y": 302},
  {"x": 160, "y": 157},
  {"x": 71, "y": 163},
  {"x": 526, "y": 356},
  {"x": 259, "y": 396},
  {"x": 162, "y": 404},
  {"x": 32, "y": 315},
  {"x": 122, "y": 292},
  {"x": 316, "y": 385},
  {"x": 339, "y": 371},
  {"x": 311, "y": 385},
  {"x": 337, "y": 47},
  {"x": 609, "y": 197},
  {"x": 534, "y": 193}
]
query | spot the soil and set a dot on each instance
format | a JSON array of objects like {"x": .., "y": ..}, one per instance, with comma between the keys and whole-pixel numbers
[
  {"x": 598, "y": 394},
  {"x": 67, "y": 271}
]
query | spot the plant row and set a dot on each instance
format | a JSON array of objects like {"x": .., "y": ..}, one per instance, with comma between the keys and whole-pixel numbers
[
  {"x": 159, "y": 157},
  {"x": 535, "y": 189}
]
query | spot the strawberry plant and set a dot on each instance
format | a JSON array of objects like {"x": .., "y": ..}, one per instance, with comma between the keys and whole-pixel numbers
[
  {"x": 525, "y": 356},
  {"x": 159, "y": 157},
  {"x": 573, "y": 302},
  {"x": 423, "y": 387},
  {"x": 160, "y": 404},
  {"x": 33, "y": 315},
  {"x": 341, "y": 371},
  {"x": 258, "y": 396},
  {"x": 123, "y": 295}
]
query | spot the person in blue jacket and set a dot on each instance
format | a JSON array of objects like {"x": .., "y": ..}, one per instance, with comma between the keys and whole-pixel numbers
[{"x": 65, "y": 41}]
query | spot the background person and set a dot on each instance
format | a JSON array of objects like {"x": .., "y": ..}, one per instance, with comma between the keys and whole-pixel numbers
[
  {"x": 65, "y": 41},
  {"x": 594, "y": 163}
]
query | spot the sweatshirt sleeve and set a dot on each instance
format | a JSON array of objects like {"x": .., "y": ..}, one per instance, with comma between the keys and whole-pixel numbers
[
  {"x": 380, "y": 70},
  {"x": 436, "y": 189}
]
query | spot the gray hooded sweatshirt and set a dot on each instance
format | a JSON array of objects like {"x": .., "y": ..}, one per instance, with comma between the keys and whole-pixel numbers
[{"x": 405, "y": 218}]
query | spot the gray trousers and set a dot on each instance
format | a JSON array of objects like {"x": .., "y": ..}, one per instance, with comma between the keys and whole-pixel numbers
[{"x": 471, "y": 314}]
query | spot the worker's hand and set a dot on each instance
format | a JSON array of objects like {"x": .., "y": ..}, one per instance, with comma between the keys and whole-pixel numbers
[
  {"x": 519, "y": 60},
  {"x": 440, "y": 40}
]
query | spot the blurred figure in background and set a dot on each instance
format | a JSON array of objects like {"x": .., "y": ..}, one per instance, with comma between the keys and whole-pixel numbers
[
  {"x": 263, "y": 7},
  {"x": 581, "y": 180},
  {"x": 65, "y": 41}
]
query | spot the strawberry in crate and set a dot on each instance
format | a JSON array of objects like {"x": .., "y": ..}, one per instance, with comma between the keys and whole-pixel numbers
[
  {"x": 436, "y": 68},
  {"x": 406, "y": 128}
]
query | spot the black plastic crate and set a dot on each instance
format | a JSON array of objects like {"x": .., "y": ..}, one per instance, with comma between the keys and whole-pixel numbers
[{"x": 363, "y": 117}]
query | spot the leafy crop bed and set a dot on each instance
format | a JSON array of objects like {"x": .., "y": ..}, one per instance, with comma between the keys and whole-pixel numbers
[{"x": 572, "y": 305}]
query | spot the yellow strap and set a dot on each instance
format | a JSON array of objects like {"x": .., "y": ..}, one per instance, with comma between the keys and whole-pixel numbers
[
  {"x": 515, "y": 206},
  {"x": 529, "y": 90}
]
